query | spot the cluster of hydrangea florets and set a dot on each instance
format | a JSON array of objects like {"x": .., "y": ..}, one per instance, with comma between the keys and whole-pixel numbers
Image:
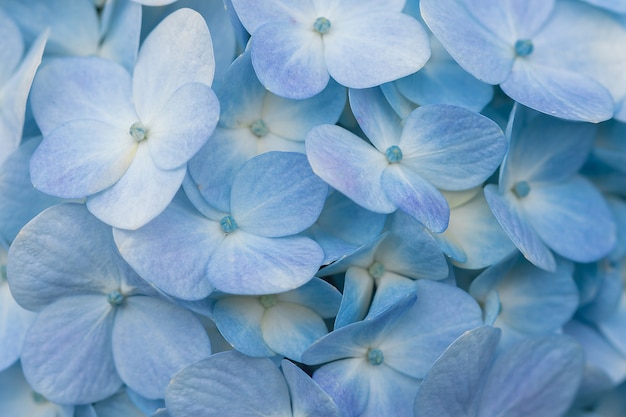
[{"x": 312, "y": 208}]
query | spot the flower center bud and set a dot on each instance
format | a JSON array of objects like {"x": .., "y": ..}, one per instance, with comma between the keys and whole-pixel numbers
[
  {"x": 228, "y": 224},
  {"x": 269, "y": 300},
  {"x": 115, "y": 298},
  {"x": 523, "y": 47},
  {"x": 321, "y": 25},
  {"x": 393, "y": 154},
  {"x": 259, "y": 128},
  {"x": 376, "y": 270},
  {"x": 375, "y": 357},
  {"x": 137, "y": 131},
  {"x": 521, "y": 189}
]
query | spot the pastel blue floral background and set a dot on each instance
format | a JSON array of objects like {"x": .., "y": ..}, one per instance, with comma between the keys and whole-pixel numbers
[{"x": 312, "y": 208}]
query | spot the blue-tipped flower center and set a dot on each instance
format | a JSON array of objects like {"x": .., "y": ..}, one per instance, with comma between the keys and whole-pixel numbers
[
  {"x": 269, "y": 300},
  {"x": 376, "y": 270},
  {"x": 137, "y": 131},
  {"x": 259, "y": 128},
  {"x": 523, "y": 47},
  {"x": 228, "y": 224},
  {"x": 375, "y": 357},
  {"x": 115, "y": 298},
  {"x": 321, "y": 25},
  {"x": 393, "y": 154},
  {"x": 521, "y": 189}
]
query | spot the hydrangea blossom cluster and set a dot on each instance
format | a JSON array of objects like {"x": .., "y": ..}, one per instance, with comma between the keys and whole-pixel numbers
[{"x": 323, "y": 208}]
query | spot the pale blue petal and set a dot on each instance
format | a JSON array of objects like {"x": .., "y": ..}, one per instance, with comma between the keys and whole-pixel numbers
[
  {"x": 612, "y": 328},
  {"x": 537, "y": 377},
  {"x": 192, "y": 191},
  {"x": 172, "y": 251},
  {"x": 72, "y": 88},
  {"x": 350, "y": 165},
  {"x": 14, "y": 323},
  {"x": 477, "y": 41},
  {"x": 214, "y": 167},
  {"x": 453, "y": 385},
  {"x": 390, "y": 288},
  {"x": 182, "y": 126},
  {"x": 289, "y": 59},
  {"x": 139, "y": 196},
  {"x": 116, "y": 406},
  {"x": 81, "y": 157},
  {"x": 443, "y": 81},
  {"x": 416, "y": 196},
  {"x": 572, "y": 218},
  {"x": 410, "y": 250},
  {"x": 397, "y": 100},
  {"x": 518, "y": 229},
  {"x": 120, "y": 30},
  {"x": 557, "y": 92},
  {"x": 254, "y": 13},
  {"x": 247, "y": 264},
  {"x": 292, "y": 119},
  {"x": 229, "y": 383},
  {"x": 363, "y": 256},
  {"x": 21, "y": 201},
  {"x": 452, "y": 147},
  {"x": 600, "y": 352},
  {"x": 537, "y": 301},
  {"x": 429, "y": 329},
  {"x": 544, "y": 148},
  {"x": 67, "y": 354},
  {"x": 358, "y": 288},
  {"x": 277, "y": 194},
  {"x": 14, "y": 94},
  {"x": 342, "y": 381},
  {"x": 239, "y": 321},
  {"x": 152, "y": 340},
  {"x": 475, "y": 229},
  {"x": 317, "y": 295},
  {"x": 391, "y": 393},
  {"x": 400, "y": 42},
  {"x": 376, "y": 118},
  {"x": 64, "y": 251},
  {"x": 307, "y": 398},
  {"x": 178, "y": 51},
  {"x": 290, "y": 329},
  {"x": 12, "y": 47}
]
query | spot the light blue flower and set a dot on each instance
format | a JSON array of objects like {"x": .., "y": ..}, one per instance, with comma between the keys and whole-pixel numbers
[
  {"x": 541, "y": 201},
  {"x": 98, "y": 324},
  {"x": 547, "y": 55},
  {"x": 230, "y": 383},
  {"x": 297, "y": 46},
  {"x": 124, "y": 142},
  {"x": 254, "y": 121},
  {"x": 374, "y": 367},
  {"x": 436, "y": 146},
  {"x": 537, "y": 377},
  {"x": 285, "y": 324},
  {"x": 252, "y": 248}
]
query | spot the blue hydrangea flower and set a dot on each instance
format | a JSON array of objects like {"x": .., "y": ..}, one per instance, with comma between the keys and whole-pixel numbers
[
  {"x": 285, "y": 324},
  {"x": 541, "y": 201},
  {"x": 436, "y": 146},
  {"x": 547, "y": 55},
  {"x": 297, "y": 46},
  {"x": 98, "y": 324},
  {"x": 79, "y": 29},
  {"x": 253, "y": 248},
  {"x": 537, "y": 377},
  {"x": 374, "y": 367},
  {"x": 124, "y": 142},
  {"x": 253, "y": 121},
  {"x": 230, "y": 383}
]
